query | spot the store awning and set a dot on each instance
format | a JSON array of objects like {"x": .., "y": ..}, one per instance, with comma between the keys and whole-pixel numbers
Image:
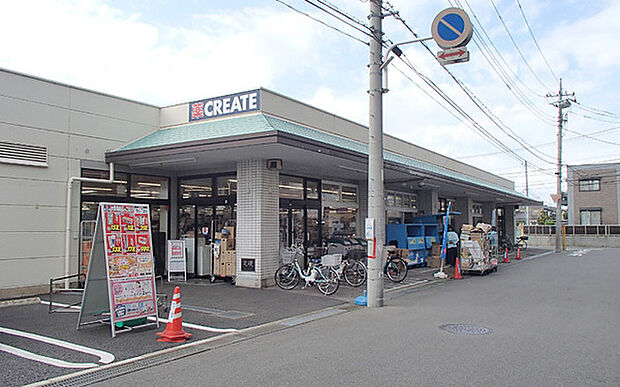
[{"x": 219, "y": 144}]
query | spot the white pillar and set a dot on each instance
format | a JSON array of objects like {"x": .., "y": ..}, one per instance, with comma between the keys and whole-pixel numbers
[{"x": 257, "y": 223}]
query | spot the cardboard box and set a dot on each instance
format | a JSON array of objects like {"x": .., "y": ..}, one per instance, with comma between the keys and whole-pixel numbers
[
  {"x": 228, "y": 256},
  {"x": 434, "y": 261},
  {"x": 436, "y": 249},
  {"x": 402, "y": 253},
  {"x": 227, "y": 244},
  {"x": 231, "y": 231}
]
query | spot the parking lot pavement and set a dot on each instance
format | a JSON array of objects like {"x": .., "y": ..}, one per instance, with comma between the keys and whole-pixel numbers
[
  {"x": 208, "y": 306},
  {"x": 219, "y": 305}
]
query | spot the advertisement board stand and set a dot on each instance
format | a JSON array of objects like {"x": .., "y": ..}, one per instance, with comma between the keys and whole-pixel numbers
[
  {"x": 176, "y": 258},
  {"x": 121, "y": 276}
]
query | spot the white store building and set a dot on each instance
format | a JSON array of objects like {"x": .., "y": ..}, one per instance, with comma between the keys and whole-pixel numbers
[{"x": 278, "y": 170}]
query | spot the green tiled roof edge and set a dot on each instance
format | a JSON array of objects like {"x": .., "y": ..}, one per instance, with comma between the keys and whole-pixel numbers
[
  {"x": 327, "y": 138},
  {"x": 255, "y": 123},
  {"x": 258, "y": 123}
]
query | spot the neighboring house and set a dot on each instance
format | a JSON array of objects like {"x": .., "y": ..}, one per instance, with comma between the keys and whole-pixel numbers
[{"x": 593, "y": 194}]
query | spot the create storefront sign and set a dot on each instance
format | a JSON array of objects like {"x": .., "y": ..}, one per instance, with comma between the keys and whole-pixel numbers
[{"x": 223, "y": 106}]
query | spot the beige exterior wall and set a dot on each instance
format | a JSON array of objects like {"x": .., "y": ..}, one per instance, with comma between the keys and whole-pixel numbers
[
  {"x": 607, "y": 198},
  {"x": 75, "y": 125}
]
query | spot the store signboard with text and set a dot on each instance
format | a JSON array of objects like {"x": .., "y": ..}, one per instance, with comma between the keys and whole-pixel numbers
[
  {"x": 121, "y": 273},
  {"x": 225, "y": 105}
]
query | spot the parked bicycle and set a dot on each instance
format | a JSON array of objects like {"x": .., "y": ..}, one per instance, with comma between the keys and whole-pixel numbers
[
  {"x": 395, "y": 267},
  {"x": 508, "y": 244},
  {"x": 289, "y": 275},
  {"x": 352, "y": 271}
]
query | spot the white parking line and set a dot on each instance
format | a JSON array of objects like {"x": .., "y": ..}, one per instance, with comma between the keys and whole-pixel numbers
[
  {"x": 104, "y": 357},
  {"x": 162, "y": 320}
]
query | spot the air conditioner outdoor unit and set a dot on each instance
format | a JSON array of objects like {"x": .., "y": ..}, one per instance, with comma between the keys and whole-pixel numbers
[{"x": 274, "y": 164}]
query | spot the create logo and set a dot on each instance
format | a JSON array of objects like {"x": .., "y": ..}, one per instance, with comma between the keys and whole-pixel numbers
[{"x": 225, "y": 105}]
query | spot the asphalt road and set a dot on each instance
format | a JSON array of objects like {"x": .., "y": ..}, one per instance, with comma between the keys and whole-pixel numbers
[{"x": 553, "y": 320}]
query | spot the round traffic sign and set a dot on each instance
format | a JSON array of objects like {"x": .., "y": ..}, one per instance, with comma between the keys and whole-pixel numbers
[{"x": 451, "y": 28}]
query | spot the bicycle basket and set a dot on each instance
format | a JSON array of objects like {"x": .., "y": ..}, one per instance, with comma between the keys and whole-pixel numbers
[
  {"x": 287, "y": 255},
  {"x": 331, "y": 259}
]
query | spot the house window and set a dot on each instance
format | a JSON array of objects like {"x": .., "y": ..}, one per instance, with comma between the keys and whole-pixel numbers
[
  {"x": 590, "y": 216},
  {"x": 586, "y": 185}
]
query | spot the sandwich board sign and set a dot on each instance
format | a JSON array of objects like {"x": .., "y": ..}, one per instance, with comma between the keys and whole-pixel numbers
[
  {"x": 121, "y": 275},
  {"x": 176, "y": 258}
]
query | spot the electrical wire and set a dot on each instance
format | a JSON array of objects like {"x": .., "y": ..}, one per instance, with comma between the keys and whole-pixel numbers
[
  {"x": 536, "y": 41},
  {"x": 570, "y": 139},
  {"x": 322, "y": 22},
  {"x": 517, "y": 46},
  {"x": 593, "y": 138},
  {"x": 596, "y": 111},
  {"x": 345, "y": 14},
  {"x": 490, "y": 56},
  {"x": 593, "y": 118},
  {"x": 477, "y": 102},
  {"x": 367, "y": 33}
]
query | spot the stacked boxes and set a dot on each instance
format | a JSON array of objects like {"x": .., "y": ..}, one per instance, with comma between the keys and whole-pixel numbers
[
  {"x": 225, "y": 264},
  {"x": 475, "y": 247}
]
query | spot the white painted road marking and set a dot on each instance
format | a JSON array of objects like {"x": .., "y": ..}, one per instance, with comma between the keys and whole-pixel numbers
[
  {"x": 579, "y": 253},
  {"x": 163, "y": 320},
  {"x": 104, "y": 357}
]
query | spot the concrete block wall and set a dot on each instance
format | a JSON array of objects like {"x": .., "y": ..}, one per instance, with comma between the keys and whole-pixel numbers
[{"x": 257, "y": 222}]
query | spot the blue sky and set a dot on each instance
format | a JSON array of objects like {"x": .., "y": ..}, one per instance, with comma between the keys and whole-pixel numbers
[{"x": 167, "y": 52}]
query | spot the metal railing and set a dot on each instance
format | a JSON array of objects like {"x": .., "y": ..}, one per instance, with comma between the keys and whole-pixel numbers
[{"x": 607, "y": 229}]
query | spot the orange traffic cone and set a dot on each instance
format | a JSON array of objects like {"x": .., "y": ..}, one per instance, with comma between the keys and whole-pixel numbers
[
  {"x": 457, "y": 269},
  {"x": 174, "y": 330},
  {"x": 506, "y": 260},
  {"x": 518, "y": 253}
]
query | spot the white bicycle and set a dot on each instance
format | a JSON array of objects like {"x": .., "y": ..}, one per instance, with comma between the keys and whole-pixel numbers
[{"x": 289, "y": 275}]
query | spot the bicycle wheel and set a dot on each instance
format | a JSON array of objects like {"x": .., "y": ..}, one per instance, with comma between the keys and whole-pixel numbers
[
  {"x": 396, "y": 269},
  {"x": 327, "y": 281},
  {"x": 287, "y": 277},
  {"x": 355, "y": 273},
  {"x": 523, "y": 245}
]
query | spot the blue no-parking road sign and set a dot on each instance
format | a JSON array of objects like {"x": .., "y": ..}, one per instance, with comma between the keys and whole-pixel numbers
[{"x": 451, "y": 28}]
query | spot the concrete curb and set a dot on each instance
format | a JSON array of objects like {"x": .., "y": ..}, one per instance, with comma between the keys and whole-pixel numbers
[{"x": 20, "y": 301}]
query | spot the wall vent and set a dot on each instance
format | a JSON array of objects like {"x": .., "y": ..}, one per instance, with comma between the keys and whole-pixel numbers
[{"x": 23, "y": 154}]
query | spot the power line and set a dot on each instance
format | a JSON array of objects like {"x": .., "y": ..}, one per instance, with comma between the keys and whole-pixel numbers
[
  {"x": 571, "y": 139},
  {"x": 322, "y": 22},
  {"x": 593, "y": 138},
  {"x": 345, "y": 14},
  {"x": 535, "y": 41},
  {"x": 516, "y": 46},
  {"x": 596, "y": 111},
  {"x": 594, "y": 118},
  {"x": 367, "y": 32},
  {"x": 477, "y": 102},
  {"x": 490, "y": 56}
]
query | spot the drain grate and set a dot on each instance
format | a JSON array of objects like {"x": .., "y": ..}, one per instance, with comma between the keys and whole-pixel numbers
[{"x": 466, "y": 329}]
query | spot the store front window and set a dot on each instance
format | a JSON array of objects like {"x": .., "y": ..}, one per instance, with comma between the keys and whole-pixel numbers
[
  {"x": 400, "y": 207},
  {"x": 300, "y": 215},
  {"x": 340, "y": 211},
  {"x": 226, "y": 185},
  {"x": 127, "y": 188},
  {"x": 196, "y": 188},
  {"x": 149, "y": 187},
  {"x": 291, "y": 187},
  {"x": 204, "y": 211},
  {"x": 117, "y": 189}
]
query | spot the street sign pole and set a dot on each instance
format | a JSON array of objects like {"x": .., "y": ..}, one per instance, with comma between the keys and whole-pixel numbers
[{"x": 375, "y": 157}]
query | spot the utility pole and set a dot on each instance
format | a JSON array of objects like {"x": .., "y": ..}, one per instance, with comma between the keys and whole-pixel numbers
[
  {"x": 527, "y": 193},
  {"x": 376, "y": 209},
  {"x": 561, "y": 103}
]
